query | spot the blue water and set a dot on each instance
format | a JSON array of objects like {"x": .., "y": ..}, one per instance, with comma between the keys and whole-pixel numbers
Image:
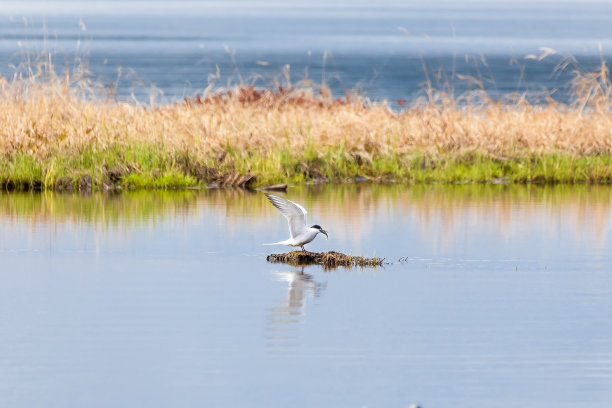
[
  {"x": 492, "y": 296},
  {"x": 390, "y": 50}
]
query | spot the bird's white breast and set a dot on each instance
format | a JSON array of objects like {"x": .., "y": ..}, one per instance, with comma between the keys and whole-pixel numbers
[{"x": 306, "y": 236}]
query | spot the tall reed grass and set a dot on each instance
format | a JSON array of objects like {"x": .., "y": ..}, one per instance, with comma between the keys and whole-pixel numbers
[{"x": 58, "y": 131}]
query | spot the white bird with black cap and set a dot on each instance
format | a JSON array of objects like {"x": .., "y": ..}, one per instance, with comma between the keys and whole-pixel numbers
[{"x": 296, "y": 216}]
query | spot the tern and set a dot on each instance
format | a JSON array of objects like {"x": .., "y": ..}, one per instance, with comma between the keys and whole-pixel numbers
[{"x": 296, "y": 216}]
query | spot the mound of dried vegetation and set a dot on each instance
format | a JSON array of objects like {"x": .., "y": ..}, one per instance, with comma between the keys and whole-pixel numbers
[{"x": 329, "y": 259}]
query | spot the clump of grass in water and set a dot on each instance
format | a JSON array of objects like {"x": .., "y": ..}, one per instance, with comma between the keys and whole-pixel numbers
[
  {"x": 329, "y": 259},
  {"x": 61, "y": 133}
]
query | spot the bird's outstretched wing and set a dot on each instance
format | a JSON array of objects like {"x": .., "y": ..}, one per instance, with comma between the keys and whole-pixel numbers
[{"x": 295, "y": 213}]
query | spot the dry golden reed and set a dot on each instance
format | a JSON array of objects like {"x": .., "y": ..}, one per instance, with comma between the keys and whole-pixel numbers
[{"x": 47, "y": 117}]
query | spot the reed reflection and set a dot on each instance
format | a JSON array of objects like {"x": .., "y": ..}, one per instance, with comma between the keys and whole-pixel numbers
[
  {"x": 128, "y": 209},
  {"x": 577, "y": 210}
]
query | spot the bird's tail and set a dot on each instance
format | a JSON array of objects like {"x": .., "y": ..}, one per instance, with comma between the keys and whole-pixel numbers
[{"x": 280, "y": 243}]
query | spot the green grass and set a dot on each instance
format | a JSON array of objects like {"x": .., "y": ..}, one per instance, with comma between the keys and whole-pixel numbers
[{"x": 155, "y": 167}]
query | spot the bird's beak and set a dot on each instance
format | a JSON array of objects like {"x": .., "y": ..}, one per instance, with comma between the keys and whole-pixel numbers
[{"x": 325, "y": 232}]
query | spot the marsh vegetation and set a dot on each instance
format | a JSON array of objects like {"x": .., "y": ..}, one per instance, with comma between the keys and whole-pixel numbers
[{"x": 64, "y": 133}]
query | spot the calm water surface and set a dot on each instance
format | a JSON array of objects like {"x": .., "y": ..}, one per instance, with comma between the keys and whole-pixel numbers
[{"x": 503, "y": 297}]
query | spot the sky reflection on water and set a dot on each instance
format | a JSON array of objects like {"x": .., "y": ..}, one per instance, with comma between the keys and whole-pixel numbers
[{"x": 503, "y": 297}]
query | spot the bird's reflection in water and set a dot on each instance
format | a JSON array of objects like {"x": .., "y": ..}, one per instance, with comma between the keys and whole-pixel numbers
[{"x": 282, "y": 319}]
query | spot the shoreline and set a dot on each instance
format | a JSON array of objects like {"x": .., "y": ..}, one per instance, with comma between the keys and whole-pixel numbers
[{"x": 90, "y": 172}]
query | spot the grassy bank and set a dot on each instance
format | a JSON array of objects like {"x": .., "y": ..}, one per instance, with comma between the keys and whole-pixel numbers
[{"x": 56, "y": 135}]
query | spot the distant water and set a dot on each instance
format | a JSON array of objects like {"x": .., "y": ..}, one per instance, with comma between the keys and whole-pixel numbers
[{"x": 386, "y": 51}]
